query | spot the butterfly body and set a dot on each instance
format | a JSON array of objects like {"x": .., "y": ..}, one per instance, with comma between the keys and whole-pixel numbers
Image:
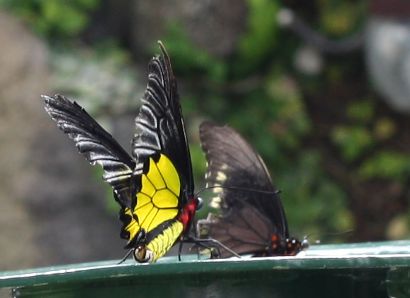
[
  {"x": 188, "y": 213},
  {"x": 154, "y": 187},
  {"x": 252, "y": 219}
]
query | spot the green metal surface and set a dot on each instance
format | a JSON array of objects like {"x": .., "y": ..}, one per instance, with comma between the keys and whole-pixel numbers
[{"x": 348, "y": 270}]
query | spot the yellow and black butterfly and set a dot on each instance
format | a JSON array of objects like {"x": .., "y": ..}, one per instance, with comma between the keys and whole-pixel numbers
[
  {"x": 155, "y": 186},
  {"x": 253, "y": 220}
]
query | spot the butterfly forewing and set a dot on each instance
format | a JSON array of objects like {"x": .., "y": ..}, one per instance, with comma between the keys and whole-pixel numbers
[
  {"x": 95, "y": 143},
  {"x": 159, "y": 124},
  {"x": 234, "y": 165}
]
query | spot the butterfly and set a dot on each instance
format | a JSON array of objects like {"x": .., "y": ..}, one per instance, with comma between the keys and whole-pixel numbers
[
  {"x": 252, "y": 219},
  {"x": 154, "y": 186}
]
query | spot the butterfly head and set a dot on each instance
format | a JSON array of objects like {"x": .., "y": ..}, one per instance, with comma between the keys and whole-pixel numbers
[
  {"x": 294, "y": 246},
  {"x": 143, "y": 255},
  {"x": 288, "y": 247},
  {"x": 199, "y": 203}
]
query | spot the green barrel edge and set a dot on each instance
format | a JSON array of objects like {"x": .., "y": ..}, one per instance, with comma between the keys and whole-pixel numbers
[{"x": 376, "y": 266}]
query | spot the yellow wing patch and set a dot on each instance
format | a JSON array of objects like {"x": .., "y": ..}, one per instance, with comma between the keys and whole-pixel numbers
[
  {"x": 170, "y": 174},
  {"x": 147, "y": 187},
  {"x": 164, "y": 198},
  {"x": 158, "y": 198},
  {"x": 155, "y": 174}
]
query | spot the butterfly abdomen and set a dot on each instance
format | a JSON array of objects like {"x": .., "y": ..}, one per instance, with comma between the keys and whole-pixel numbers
[{"x": 163, "y": 242}]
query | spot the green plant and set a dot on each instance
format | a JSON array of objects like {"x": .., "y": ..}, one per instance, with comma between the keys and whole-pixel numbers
[
  {"x": 53, "y": 19},
  {"x": 352, "y": 141},
  {"x": 189, "y": 59},
  {"x": 314, "y": 203},
  {"x": 388, "y": 165},
  {"x": 259, "y": 39}
]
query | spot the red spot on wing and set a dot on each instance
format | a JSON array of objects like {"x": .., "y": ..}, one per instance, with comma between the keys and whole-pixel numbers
[{"x": 275, "y": 238}]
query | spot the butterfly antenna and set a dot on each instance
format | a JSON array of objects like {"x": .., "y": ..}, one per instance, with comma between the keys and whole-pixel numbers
[
  {"x": 327, "y": 234},
  {"x": 275, "y": 192},
  {"x": 180, "y": 250},
  {"x": 126, "y": 256},
  {"x": 224, "y": 247}
]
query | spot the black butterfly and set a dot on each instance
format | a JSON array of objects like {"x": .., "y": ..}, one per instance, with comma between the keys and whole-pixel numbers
[
  {"x": 155, "y": 186},
  {"x": 253, "y": 220}
]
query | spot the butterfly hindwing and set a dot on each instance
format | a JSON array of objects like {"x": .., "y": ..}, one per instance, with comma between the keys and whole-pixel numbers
[
  {"x": 157, "y": 199},
  {"x": 243, "y": 229},
  {"x": 95, "y": 143}
]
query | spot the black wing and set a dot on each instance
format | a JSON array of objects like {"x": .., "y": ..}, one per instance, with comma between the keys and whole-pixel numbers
[
  {"x": 246, "y": 183},
  {"x": 159, "y": 124},
  {"x": 243, "y": 229},
  {"x": 95, "y": 143}
]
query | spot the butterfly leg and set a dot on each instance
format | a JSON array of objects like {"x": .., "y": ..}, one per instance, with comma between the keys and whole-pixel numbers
[
  {"x": 206, "y": 245},
  {"x": 209, "y": 242},
  {"x": 180, "y": 249},
  {"x": 126, "y": 256}
]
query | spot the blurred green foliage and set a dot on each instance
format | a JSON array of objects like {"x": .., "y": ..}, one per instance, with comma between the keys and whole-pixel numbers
[
  {"x": 53, "y": 19},
  {"x": 314, "y": 203},
  {"x": 286, "y": 100},
  {"x": 102, "y": 77},
  {"x": 338, "y": 18},
  {"x": 361, "y": 111},
  {"x": 384, "y": 128},
  {"x": 189, "y": 59},
  {"x": 259, "y": 38},
  {"x": 353, "y": 141},
  {"x": 387, "y": 164}
]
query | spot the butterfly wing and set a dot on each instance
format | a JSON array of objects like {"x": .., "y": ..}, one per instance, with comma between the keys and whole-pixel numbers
[
  {"x": 154, "y": 188},
  {"x": 243, "y": 229},
  {"x": 160, "y": 149},
  {"x": 160, "y": 125},
  {"x": 245, "y": 182},
  {"x": 95, "y": 143}
]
